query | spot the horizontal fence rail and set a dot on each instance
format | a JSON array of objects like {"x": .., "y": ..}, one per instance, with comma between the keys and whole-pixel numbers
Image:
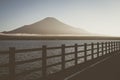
[{"x": 88, "y": 50}]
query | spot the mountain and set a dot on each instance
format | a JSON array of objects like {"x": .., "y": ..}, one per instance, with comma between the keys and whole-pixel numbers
[{"x": 49, "y": 25}]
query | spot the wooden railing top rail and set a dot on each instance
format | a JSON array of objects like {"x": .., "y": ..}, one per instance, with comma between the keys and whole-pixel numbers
[{"x": 37, "y": 49}]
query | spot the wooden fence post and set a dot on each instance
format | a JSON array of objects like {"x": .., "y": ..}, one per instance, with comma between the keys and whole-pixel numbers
[
  {"x": 76, "y": 56},
  {"x": 92, "y": 50},
  {"x": 106, "y": 48},
  {"x": 44, "y": 61},
  {"x": 102, "y": 48},
  {"x": 63, "y": 56},
  {"x": 109, "y": 47},
  {"x": 12, "y": 63},
  {"x": 85, "y": 52},
  {"x": 114, "y": 47},
  {"x": 119, "y": 46},
  {"x": 97, "y": 49}
]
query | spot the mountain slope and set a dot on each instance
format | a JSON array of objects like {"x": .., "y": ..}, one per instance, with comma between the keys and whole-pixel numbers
[{"x": 49, "y": 25}]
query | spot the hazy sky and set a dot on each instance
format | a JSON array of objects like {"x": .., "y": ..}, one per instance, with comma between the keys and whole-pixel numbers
[{"x": 98, "y": 16}]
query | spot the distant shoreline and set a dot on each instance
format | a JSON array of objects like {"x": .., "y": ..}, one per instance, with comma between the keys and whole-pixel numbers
[{"x": 5, "y": 37}]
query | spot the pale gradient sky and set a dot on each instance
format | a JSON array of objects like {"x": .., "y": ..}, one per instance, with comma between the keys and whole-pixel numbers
[{"x": 97, "y": 16}]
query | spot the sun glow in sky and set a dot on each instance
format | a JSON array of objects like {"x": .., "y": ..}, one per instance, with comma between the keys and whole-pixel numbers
[{"x": 97, "y": 16}]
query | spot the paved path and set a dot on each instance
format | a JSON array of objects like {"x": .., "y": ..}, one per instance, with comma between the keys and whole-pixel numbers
[{"x": 107, "y": 70}]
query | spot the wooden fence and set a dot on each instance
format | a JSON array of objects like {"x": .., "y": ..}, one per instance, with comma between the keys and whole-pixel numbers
[{"x": 102, "y": 48}]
